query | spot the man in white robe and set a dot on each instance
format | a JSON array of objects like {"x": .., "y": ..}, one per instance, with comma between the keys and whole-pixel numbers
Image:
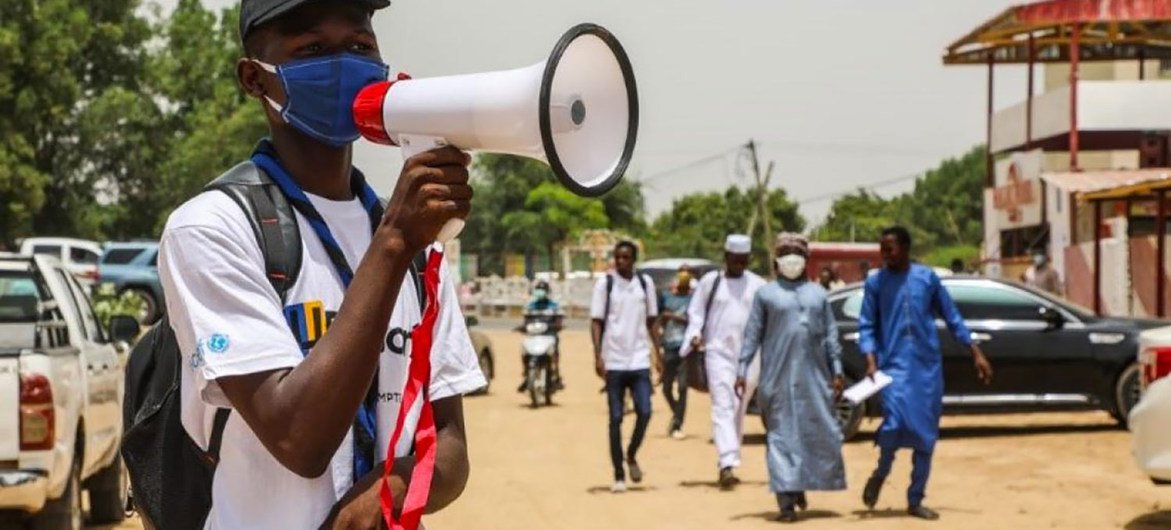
[{"x": 716, "y": 318}]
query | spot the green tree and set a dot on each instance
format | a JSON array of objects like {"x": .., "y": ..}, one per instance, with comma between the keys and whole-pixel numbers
[
  {"x": 552, "y": 214},
  {"x": 56, "y": 58},
  {"x": 519, "y": 207},
  {"x": 213, "y": 124},
  {"x": 944, "y": 212},
  {"x": 859, "y": 216},
  {"x": 697, "y": 224},
  {"x": 105, "y": 133}
]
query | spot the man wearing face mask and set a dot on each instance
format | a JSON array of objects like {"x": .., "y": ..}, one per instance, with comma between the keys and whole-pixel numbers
[
  {"x": 793, "y": 326},
  {"x": 1042, "y": 275},
  {"x": 544, "y": 307},
  {"x": 313, "y": 379},
  {"x": 715, "y": 323}
]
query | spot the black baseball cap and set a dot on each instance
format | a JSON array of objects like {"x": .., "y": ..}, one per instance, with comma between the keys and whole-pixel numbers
[{"x": 256, "y": 12}]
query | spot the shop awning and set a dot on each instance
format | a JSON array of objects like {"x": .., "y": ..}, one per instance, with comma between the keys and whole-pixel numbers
[
  {"x": 1111, "y": 30},
  {"x": 1110, "y": 184}
]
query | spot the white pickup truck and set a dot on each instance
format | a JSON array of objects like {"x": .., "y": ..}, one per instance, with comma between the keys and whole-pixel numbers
[{"x": 61, "y": 387}]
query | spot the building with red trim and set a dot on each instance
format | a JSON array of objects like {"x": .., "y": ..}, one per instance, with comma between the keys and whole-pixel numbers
[{"x": 1080, "y": 167}]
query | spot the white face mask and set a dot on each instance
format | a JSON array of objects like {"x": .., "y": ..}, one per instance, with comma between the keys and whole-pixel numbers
[{"x": 791, "y": 266}]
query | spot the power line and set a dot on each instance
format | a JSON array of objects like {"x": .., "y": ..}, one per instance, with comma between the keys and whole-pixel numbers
[
  {"x": 869, "y": 187},
  {"x": 853, "y": 148},
  {"x": 693, "y": 164}
]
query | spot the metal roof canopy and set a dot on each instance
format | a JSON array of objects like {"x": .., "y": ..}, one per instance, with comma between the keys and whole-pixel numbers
[
  {"x": 1110, "y": 184},
  {"x": 1111, "y": 30}
]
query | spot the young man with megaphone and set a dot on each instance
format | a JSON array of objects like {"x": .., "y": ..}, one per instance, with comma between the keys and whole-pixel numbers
[{"x": 312, "y": 413}]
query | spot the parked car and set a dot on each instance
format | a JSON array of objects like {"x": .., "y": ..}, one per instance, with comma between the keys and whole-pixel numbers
[
  {"x": 133, "y": 267},
  {"x": 1047, "y": 353},
  {"x": 79, "y": 256},
  {"x": 61, "y": 383},
  {"x": 663, "y": 271},
  {"x": 483, "y": 352},
  {"x": 1150, "y": 430}
]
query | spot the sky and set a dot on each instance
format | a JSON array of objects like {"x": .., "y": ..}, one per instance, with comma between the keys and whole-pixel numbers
[{"x": 838, "y": 93}]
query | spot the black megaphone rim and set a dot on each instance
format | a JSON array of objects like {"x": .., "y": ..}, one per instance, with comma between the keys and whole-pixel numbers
[{"x": 545, "y": 119}]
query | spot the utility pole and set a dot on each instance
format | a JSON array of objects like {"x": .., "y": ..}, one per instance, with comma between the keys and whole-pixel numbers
[{"x": 762, "y": 181}]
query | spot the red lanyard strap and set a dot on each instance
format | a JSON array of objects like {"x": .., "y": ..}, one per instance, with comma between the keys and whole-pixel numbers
[{"x": 416, "y": 398}]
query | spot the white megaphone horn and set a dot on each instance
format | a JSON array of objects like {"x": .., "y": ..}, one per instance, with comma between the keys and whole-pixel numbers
[{"x": 576, "y": 111}]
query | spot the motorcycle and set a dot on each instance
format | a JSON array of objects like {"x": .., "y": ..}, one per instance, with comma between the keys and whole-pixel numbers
[{"x": 538, "y": 347}]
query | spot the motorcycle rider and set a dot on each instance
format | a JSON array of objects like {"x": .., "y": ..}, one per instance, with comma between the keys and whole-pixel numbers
[{"x": 542, "y": 305}]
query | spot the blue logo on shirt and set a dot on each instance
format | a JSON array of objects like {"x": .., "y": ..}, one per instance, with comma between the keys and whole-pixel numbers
[
  {"x": 218, "y": 343},
  {"x": 197, "y": 357}
]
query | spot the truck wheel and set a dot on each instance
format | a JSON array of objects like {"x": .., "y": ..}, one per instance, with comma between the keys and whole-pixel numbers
[
  {"x": 1126, "y": 393},
  {"x": 149, "y": 311},
  {"x": 63, "y": 513},
  {"x": 107, "y": 494}
]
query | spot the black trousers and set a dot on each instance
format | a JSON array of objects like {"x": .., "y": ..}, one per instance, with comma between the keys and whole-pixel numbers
[{"x": 675, "y": 386}]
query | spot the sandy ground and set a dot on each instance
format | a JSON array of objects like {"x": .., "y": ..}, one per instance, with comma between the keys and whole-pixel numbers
[{"x": 549, "y": 468}]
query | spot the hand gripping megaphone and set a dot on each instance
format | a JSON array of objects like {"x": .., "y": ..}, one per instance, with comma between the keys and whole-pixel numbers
[{"x": 576, "y": 111}]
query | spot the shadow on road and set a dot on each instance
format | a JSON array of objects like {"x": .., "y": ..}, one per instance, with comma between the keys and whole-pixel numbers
[
  {"x": 529, "y": 406},
  {"x": 713, "y": 484},
  {"x": 594, "y": 490},
  {"x": 889, "y": 513},
  {"x": 896, "y": 513},
  {"x": 754, "y": 439},
  {"x": 1151, "y": 521},
  {"x": 772, "y": 515},
  {"x": 995, "y": 431}
]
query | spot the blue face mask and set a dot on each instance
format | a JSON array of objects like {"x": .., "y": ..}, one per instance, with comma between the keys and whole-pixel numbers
[
  {"x": 320, "y": 94},
  {"x": 540, "y": 294}
]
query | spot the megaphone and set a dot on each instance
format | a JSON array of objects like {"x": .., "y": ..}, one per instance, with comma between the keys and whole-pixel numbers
[{"x": 576, "y": 111}]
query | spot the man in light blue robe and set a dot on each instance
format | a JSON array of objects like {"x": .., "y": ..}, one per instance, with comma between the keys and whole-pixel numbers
[
  {"x": 793, "y": 326},
  {"x": 898, "y": 336}
]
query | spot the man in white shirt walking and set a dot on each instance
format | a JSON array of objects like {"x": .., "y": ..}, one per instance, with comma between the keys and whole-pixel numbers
[
  {"x": 715, "y": 324},
  {"x": 624, "y": 310}
]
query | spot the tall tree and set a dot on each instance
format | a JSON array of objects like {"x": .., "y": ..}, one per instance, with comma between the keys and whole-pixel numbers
[
  {"x": 944, "y": 211},
  {"x": 697, "y": 224},
  {"x": 105, "y": 133},
  {"x": 56, "y": 57},
  {"x": 214, "y": 124},
  {"x": 519, "y": 207}
]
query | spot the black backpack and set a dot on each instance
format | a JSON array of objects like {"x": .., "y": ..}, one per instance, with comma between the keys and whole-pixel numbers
[{"x": 170, "y": 474}]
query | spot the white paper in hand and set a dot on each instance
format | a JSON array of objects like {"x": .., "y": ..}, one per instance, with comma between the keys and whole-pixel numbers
[{"x": 862, "y": 390}]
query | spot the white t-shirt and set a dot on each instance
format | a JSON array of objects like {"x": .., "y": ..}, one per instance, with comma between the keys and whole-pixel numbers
[
  {"x": 229, "y": 321},
  {"x": 625, "y": 343}
]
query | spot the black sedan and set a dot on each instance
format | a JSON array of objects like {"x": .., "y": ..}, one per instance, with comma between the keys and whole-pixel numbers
[{"x": 1047, "y": 353}]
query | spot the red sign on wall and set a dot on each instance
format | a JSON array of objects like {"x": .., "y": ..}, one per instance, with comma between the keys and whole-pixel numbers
[{"x": 1014, "y": 194}]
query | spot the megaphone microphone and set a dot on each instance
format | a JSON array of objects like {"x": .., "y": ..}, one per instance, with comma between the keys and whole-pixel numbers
[{"x": 577, "y": 111}]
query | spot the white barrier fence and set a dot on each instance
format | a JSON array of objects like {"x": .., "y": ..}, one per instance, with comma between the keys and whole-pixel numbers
[{"x": 496, "y": 296}]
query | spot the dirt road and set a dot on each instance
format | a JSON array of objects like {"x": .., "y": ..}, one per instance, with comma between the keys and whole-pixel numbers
[{"x": 549, "y": 469}]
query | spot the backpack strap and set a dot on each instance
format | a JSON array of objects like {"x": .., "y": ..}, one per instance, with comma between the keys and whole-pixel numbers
[
  {"x": 217, "y": 434},
  {"x": 711, "y": 297},
  {"x": 275, "y": 226},
  {"x": 609, "y": 289},
  {"x": 272, "y": 219}
]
